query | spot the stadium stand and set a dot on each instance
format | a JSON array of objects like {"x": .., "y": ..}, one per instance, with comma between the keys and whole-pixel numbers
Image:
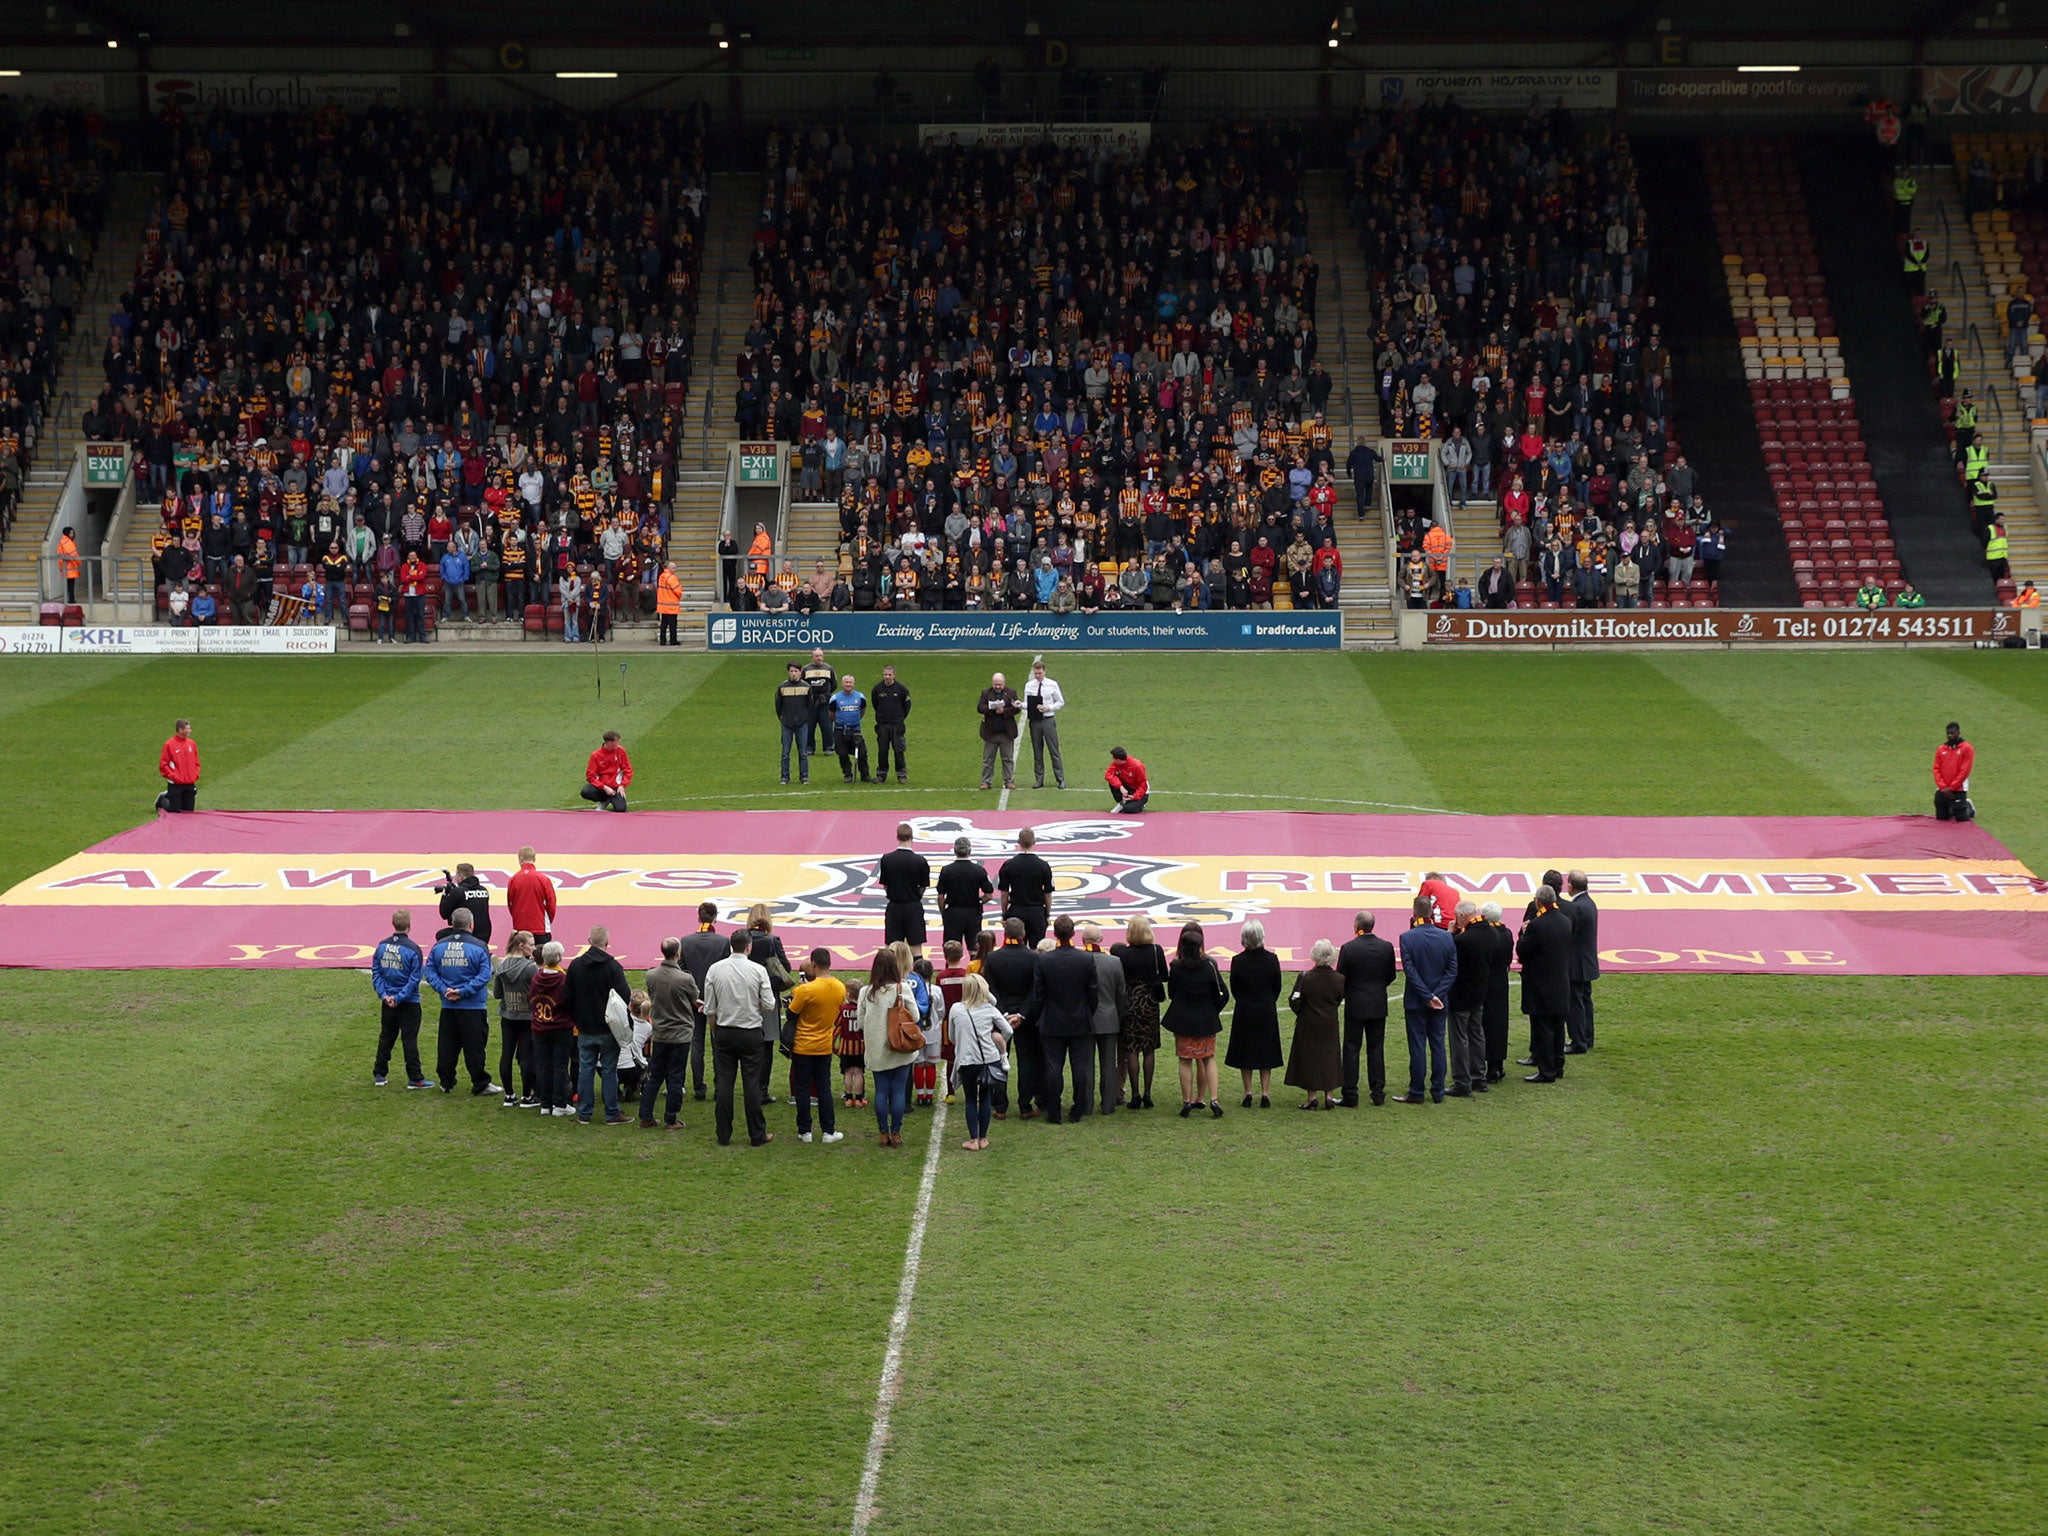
[
  {"x": 1828, "y": 504},
  {"x": 345, "y": 347},
  {"x": 58, "y": 176},
  {"x": 1060, "y": 378}
]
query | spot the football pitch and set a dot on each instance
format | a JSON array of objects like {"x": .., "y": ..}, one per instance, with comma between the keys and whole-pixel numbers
[{"x": 1768, "y": 1261}]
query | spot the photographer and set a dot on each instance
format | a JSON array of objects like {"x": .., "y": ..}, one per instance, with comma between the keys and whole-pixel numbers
[{"x": 463, "y": 889}]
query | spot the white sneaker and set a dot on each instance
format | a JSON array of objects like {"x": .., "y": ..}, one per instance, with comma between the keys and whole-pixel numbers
[
  {"x": 831, "y": 1136},
  {"x": 805, "y": 1137},
  {"x": 563, "y": 1109},
  {"x": 511, "y": 1101}
]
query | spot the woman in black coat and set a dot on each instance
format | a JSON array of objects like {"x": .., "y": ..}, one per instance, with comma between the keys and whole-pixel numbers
[
  {"x": 1255, "y": 1023},
  {"x": 1195, "y": 1016},
  {"x": 1545, "y": 950}
]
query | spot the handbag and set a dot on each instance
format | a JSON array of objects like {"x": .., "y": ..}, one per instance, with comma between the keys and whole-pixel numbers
[
  {"x": 785, "y": 1039},
  {"x": 904, "y": 1035},
  {"x": 998, "y": 1071}
]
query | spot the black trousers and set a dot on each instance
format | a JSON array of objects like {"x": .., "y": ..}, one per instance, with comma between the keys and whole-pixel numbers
[
  {"x": 1546, "y": 1043},
  {"x": 1030, "y": 1067},
  {"x": 668, "y": 630},
  {"x": 1579, "y": 1021},
  {"x": 551, "y": 1050},
  {"x": 181, "y": 797},
  {"x": 1372, "y": 1035},
  {"x": 1128, "y": 805},
  {"x": 1033, "y": 919},
  {"x": 464, "y": 1034},
  {"x": 889, "y": 736},
  {"x": 1058, "y": 1051},
  {"x": 699, "y": 1043},
  {"x": 667, "y": 1063},
  {"x": 1108, "y": 1069},
  {"x": 962, "y": 923},
  {"x": 401, "y": 1024},
  {"x": 852, "y": 747},
  {"x": 1944, "y": 803},
  {"x": 515, "y": 1044},
  {"x": 903, "y": 920},
  {"x": 737, "y": 1052},
  {"x": 596, "y": 796},
  {"x": 1496, "y": 1036}
]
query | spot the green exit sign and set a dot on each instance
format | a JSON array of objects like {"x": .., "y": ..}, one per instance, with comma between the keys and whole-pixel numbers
[
  {"x": 106, "y": 464},
  {"x": 760, "y": 464},
  {"x": 1408, "y": 461}
]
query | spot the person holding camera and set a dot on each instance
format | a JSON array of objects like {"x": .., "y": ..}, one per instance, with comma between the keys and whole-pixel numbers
[{"x": 463, "y": 890}]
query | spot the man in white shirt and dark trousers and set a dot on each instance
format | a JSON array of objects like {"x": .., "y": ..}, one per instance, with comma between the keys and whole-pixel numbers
[
  {"x": 1042, "y": 703},
  {"x": 738, "y": 1004}
]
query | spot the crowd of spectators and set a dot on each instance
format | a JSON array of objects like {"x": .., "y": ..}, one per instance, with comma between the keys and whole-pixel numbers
[
  {"x": 56, "y": 176},
  {"x": 395, "y": 355},
  {"x": 1042, "y": 376},
  {"x": 1514, "y": 326}
]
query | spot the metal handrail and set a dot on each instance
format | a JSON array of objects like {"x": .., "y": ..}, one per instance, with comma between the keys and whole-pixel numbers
[{"x": 1954, "y": 273}]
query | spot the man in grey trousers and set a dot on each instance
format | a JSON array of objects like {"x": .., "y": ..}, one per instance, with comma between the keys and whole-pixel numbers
[
  {"x": 1110, "y": 999},
  {"x": 1043, "y": 702}
]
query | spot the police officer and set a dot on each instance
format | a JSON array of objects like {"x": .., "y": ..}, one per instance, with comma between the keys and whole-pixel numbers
[
  {"x": 1995, "y": 547},
  {"x": 459, "y": 968},
  {"x": 1983, "y": 505},
  {"x": 849, "y": 707},
  {"x": 1915, "y": 263},
  {"x": 818, "y": 677},
  {"x": 395, "y": 967},
  {"x": 1965, "y": 423},
  {"x": 1026, "y": 883},
  {"x": 465, "y": 891},
  {"x": 1933, "y": 316},
  {"x": 798, "y": 720},
  {"x": 1904, "y": 189},
  {"x": 905, "y": 875},
  {"x": 892, "y": 708},
  {"x": 964, "y": 889}
]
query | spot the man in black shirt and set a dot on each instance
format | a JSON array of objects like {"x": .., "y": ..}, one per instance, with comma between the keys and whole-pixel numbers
[
  {"x": 905, "y": 875},
  {"x": 1012, "y": 974},
  {"x": 891, "y": 701},
  {"x": 465, "y": 890},
  {"x": 964, "y": 889},
  {"x": 822, "y": 680},
  {"x": 702, "y": 950},
  {"x": 794, "y": 713},
  {"x": 1026, "y": 883}
]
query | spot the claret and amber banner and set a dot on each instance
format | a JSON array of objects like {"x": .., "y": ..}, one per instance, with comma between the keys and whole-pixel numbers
[
  {"x": 1721, "y": 626},
  {"x": 1882, "y": 896}
]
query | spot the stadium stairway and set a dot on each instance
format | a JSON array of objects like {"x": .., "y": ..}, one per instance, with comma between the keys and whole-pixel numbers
[
  {"x": 693, "y": 534},
  {"x": 1712, "y": 394},
  {"x": 1989, "y": 262},
  {"x": 1848, "y": 194},
  {"x": 811, "y": 534},
  {"x": 1344, "y": 330},
  {"x": 725, "y": 311},
  {"x": 78, "y": 377}
]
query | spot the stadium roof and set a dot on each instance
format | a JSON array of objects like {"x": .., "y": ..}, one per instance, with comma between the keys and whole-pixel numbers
[{"x": 1602, "y": 24}]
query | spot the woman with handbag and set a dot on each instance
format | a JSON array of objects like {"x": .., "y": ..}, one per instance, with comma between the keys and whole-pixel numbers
[
  {"x": 1144, "y": 964},
  {"x": 766, "y": 951},
  {"x": 981, "y": 1054},
  {"x": 888, "y": 1022},
  {"x": 1195, "y": 1016}
]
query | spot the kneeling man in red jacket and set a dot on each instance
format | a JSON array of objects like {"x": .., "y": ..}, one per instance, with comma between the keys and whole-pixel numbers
[{"x": 1128, "y": 785}]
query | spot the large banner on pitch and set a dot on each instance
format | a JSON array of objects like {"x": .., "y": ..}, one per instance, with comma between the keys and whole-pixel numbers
[
  {"x": 1832, "y": 896},
  {"x": 1026, "y": 630}
]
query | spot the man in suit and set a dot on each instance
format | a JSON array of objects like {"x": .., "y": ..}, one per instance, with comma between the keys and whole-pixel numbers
[
  {"x": 1468, "y": 1001},
  {"x": 1501, "y": 963},
  {"x": 1366, "y": 962},
  {"x": 1012, "y": 973},
  {"x": 700, "y": 951},
  {"x": 964, "y": 889},
  {"x": 1553, "y": 878},
  {"x": 1111, "y": 997},
  {"x": 1026, "y": 883},
  {"x": 1545, "y": 950},
  {"x": 905, "y": 875},
  {"x": 1585, "y": 920},
  {"x": 999, "y": 708},
  {"x": 1430, "y": 957},
  {"x": 1062, "y": 1005}
]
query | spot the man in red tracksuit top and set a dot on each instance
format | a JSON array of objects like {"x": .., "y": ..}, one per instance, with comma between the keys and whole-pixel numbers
[
  {"x": 608, "y": 774},
  {"x": 1443, "y": 901},
  {"x": 530, "y": 898},
  {"x": 1128, "y": 785},
  {"x": 178, "y": 763},
  {"x": 1953, "y": 760}
]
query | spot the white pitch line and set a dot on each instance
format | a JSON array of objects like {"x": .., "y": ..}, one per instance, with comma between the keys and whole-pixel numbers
[
  {"x": 1003, "y": 800},
  {"x": 891, "y": 1386}
]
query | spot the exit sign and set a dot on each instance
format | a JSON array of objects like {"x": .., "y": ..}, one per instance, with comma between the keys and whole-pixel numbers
[
  {"x": 1408, "y": 461},
  {"x": 760, "y": 464},
  {"x": 106, "y": 464}
]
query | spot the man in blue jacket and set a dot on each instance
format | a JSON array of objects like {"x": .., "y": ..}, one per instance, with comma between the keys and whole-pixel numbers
[
  {"x": 395, "y": 967},
  {"x": 459, "y": 968},
  {"x": 454, "y": 582},
  {"x": 1430, "y": 957},
  {"x": 849, "y": 707}
]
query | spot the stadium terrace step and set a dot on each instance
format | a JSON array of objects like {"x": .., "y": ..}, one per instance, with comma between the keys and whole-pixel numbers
[{"x": 726, "y": 311}]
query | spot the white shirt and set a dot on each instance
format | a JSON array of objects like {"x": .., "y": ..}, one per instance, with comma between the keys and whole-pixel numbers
[
  {"x": 737, "y": 994},
  {"x": 1047, "y": 692}
]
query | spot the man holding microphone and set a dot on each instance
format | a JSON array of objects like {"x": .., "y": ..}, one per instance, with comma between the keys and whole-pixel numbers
[{"x": 1042, "y": 703}]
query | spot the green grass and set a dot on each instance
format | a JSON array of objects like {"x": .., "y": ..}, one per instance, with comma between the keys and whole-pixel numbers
[{"x": 1768, "y": 1262}]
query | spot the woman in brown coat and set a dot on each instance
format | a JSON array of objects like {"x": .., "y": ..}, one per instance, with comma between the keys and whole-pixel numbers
[{"x": 1315, "y": 1061}]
